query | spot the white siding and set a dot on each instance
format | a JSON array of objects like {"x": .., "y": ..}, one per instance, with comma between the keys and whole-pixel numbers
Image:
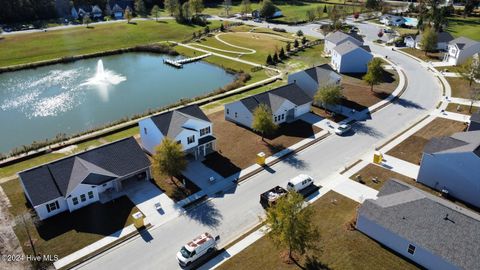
[
  {"x": 150, "y": 135},
  {"x": 43, "y": 213},
  {"x": 238, "y": 113},
  {"x": 82, "y": 189},
  {"x": 302, "y": 109},
  {"x": 328, "y": 47},
  {"x": 183, "y": 138},
  {"x": 355, "y": 61}
]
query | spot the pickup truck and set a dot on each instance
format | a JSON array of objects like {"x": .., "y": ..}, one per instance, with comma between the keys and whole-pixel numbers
[{"x": 269, "y": 197}]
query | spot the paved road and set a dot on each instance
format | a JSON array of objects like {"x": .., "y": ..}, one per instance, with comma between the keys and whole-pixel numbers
[{"x": 235, "y": 212}]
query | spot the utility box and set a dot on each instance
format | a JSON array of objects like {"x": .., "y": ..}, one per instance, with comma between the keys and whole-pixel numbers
[
  {"x": 261, "y": 158},
  {"x": 138, "y": 219},
  {"x": 377, "y": 157}
]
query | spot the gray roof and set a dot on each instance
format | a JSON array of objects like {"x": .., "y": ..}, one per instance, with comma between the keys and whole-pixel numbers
[
  {"x": 475, "y": 117},
  {"x": 441, "y": 37},
  {"x": 430, "y": 222},
  {"x": 171, "y": 123},
  {"x": 347, "y": 47},
  {"x": 463, "y": 42},
  {"x": 275, "y": 98},
  {"x": 322, "y": 73},
  {"x": 460, "y": 142},
  {"x": 339, "y": 36},
  {"x": 95, "y": 167}
]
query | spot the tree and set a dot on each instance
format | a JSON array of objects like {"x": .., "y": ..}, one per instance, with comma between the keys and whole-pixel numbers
[
  {"x": 86, "y": 20},
  {"x": 275, "y": 58},
  {"x": 334, "y": 17},
  {"x": 140, "y": 8},
  {"x": 374, "y": 73},
  {"x": 246, "y": 7},
  {"x": 263, "y": 120},
  {"x": 128, "y": 14},
  {"x": 325, "y": 9},
  {"x": 196, "y": 6},
  {"x": 222, "y": 27},
  {"x": 304, "y": 40},
  {"x": 329, "y": 94},
  {"x": 429, "y": 40},
  {"x": 155, "y": 11},
  {"x": 469, "y": 7},
  {"x": 269, "y": 60},
  {"x": 186, "y": 11},
  {"x": 373, "y": 4},
  {"x": 169, "y": 159},
  {"x": 356, "y": 15},
  {"x": 320, "y": 11},
  {"x": 227, "y": 5},
  {"x": 299, "y": 33},
  {"x": 474, "y": 96},
  {"x": 171, "y": 6},
  {"x": 108, "y": 9},
  {"x": 295, "y": 43},
  {"x": 470, "y": 70},
  {"x": 268, "y": 9},
  {"x": 282, "y": 54},
  {"x": 206, "y": 30},
  {"x": 291, "y": 226},
  {"x": 288, "y": 47},
  {"x": 311, "y": 15}
]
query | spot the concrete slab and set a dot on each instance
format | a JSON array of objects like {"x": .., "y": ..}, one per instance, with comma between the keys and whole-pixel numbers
[
  {"x": 353, "y": 190},
  {"x": 200, "y": 174},
  {"x": 400, "y": 166}
]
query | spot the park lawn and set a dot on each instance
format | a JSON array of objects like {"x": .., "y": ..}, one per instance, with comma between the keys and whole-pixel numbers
[
  {"x": 304, "y": 59},
  {"x": 436, "y": 56},
  {"x": 32, "y": 47},
  {"x": 340, "y": 247},
  {"x": 460, "y": 87},
  {"x": 460, "y": 108},
  {"x": 411, "y": 149},
  {"x": 78, "y": 229},
  {"x": 467, "y": 27}
]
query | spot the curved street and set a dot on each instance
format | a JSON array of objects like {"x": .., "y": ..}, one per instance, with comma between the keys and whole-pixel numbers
[{"x": 235, "y": 212}]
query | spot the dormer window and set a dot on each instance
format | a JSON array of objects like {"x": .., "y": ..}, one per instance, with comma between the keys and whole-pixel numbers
[
  {"x": 205, "y": 131},
  {"x": 191, "y": 139}
]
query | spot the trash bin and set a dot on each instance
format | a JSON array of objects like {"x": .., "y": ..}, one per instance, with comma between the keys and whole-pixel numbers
[
  {"x": 377, "y": 157},
  {"x": 138, "y": 220},
  {"x": 261, "y": 158}
]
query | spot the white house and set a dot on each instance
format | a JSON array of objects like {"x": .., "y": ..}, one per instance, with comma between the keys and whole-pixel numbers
[
  {"x": 392, "y": 20},
  {"x": 338, "y": 37},
  {"x": 117, "y": 12},
  {"x": 421, "y": 227},
  {"x": 287, "y": 104},
  {"x": 460, "y": 49},
  {"x": 452, "y": 165},
  {"x": 443, "y": 38},
  {"x": 348, "y": 57},
  {"x": 310, "y": 80},
  {"x": 77, "y": 181},
  {"x": 96, "y": 12},
  {"x": 74, "y": 13},
  {"x": 188, "y": 126}
]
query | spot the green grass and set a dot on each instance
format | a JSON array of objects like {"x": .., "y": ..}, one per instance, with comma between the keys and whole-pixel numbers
[
  {"x": 340, "y": 248},
  {"x": 23, "y": 165},
  {"x": 26, "y": 48},
  {"x": 460, "y": 87},
  {"x": 467, "y": 27},
  {"x": 122, "y": 134},
  {"x": 421, "y": 54},
  {"x": 305, "y": 59}
]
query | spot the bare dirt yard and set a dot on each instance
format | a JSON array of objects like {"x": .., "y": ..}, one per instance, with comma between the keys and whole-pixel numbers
[
  {"x": 411, "y": 149},
  {"x": 237, "y": 146}
]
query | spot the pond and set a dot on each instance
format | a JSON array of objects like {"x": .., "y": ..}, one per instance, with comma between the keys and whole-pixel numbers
[{"x": 37, "y": 104}]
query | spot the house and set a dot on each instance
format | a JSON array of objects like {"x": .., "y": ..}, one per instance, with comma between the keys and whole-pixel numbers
[
  {"x": 421, "y": 227},
  {"x": 460, "y": 49},
  {"x": 117, "y": 12},
  {"x": 287, "y": 104},
  {"x": 338, "y": 37},
  {"x": 474, "y": 121},
  {"x": 348, "y": 57},
  {"x": 188, "y": 126},
  {"x": 443, "y": 38},
  {"x": 96, "y": 12},
  {"x": 452, "y": 165},
  {"x": 74, "y": 13},
  {"x": 82, "y": 13},
  {"x": 77, "y": 181},
  {"x": 392, "y": 20},
  {"x": 310, "y": 80}
]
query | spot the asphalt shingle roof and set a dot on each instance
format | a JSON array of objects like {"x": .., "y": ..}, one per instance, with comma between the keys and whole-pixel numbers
[
  {"x": 475, "y": 117},
  {"x": 459, "y": 142},
  {"x": 171, "y": 123},
  {"x": 443, "y": 228},
  {"x": 463, "y": 42},
  {"x": 347, "y": 47},
  {"x": 95, "y": 166},
  {"x": 339, "y": 36},
  {"x": 322, "y": 73}
]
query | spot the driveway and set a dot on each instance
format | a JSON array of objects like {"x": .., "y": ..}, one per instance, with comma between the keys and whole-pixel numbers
[{"x": 200, "y": 174}]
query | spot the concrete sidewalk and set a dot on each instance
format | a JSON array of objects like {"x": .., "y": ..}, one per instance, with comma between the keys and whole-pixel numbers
[
  {"x": 400, "y": 166},
  {"x": 463, "y": 101},
  {"x": 452, "y": 116}
]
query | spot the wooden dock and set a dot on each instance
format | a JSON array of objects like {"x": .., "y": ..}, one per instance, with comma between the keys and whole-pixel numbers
[{"x": 179, "y": 63}]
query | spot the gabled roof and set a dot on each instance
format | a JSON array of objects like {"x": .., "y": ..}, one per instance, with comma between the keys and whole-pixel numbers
[
  {"x": 441, "y": 37},
  {"x": 94, "y": 167},
  {"x": 427, "y": 221},
  {"x": 460, "y": 142},
  {"x": 276, "y": 97},
  {"x": 339, "y": 36},
  {"x": 475, "y": 117},
  {"x": 463, "y": 42},
  {"x": 171, "y": 123},
  {"x": 322, "y": 73},
  {"x": 347, "y": 47}
]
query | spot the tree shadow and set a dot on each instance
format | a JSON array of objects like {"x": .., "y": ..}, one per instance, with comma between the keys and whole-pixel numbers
[
  {"x": 361, "y": 128},
  {"x": 408, "y": 104},
  {"x": 206, "y": 214},
  {"x": 381, "y": 95},
  {"x": 313, "y": 263},
  {"x": 221, "y": 164},
  {"x": 387, "y": 77},
  {"x": 295, "y": 162}
]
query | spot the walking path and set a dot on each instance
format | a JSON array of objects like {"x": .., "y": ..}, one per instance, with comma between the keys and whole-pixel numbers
[
  {"x": 452, "y": 115},
  {"x": 400, "y": 166},
  {"x": 463, "y": 101}
]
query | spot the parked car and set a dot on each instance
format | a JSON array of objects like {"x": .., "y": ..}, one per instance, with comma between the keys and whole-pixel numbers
[
  {"x": 342, "y": 129},
  {"x": 201, "y": 245},
  {"x": 268, "y": 198},
  {"x": 299, "y": 182}
]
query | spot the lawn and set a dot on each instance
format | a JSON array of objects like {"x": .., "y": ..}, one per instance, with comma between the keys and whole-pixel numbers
[
  {"x": 80, "y": 40},
  {"x": 233, "y": 157},
  {"x": 460, "y": 108},
  {"x": 340, "y": 247},
  {"x": 174, "y": 188},
  {"x": 460, "y": 87},
  {"x": 305, "y": 59},
  {"x": 436, "y": 56},
  {"x": 67, "y": 232},
  {"x": 467, "y": 27},
  {"x": 411, "y": 149}
]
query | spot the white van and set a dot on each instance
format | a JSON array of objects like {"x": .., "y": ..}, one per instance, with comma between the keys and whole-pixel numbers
[
  {"x": 196, "y": 248},
  {"x": 299, "y": 182}
]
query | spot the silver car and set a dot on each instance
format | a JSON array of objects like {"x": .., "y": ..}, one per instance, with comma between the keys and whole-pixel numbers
[{"x": 342, "y": 129}]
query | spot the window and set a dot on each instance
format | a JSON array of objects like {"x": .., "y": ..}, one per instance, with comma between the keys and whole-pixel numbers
[
  {"x": 275, "y": 119},
  {"x": 228, "y": 111},
  {"x": 52, "y": 206},
  {"x": 191, "y": 139},
  {"x": 145, "y": 130},
  {"x": 83, "y": 197},
  {"x": 75, "y": 200},
  {"x": 235, "y": 115},
  {"x": 283, "y": 116},
  {"x": 179, "y": 142},
  {"x": 90, "y": 194},
  {"x": 204, "y": 131},
  {"x": 411, "y": 249}
]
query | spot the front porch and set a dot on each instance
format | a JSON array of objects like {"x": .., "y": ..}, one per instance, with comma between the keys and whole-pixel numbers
[
  {"x": 118, "y": 186},
  {"x": 206, "y": 145}
]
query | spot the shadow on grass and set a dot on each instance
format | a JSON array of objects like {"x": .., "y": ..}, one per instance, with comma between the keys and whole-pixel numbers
[
  {"x": 298, "y": 128},
  {"x": 312, "y": 263},
  {"x": 206, "y": 214},
  {"x": 221, "y": 164}
]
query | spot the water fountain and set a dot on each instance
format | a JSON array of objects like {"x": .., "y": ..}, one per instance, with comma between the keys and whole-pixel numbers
[{"x": 103, "y": 79}]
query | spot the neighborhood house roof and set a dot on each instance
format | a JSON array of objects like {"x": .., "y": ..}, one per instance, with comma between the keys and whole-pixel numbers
[
  {"x": 97, "y": 166},
  {"x": 463, "y": 42},
  {"x": 441, "y": 37},
  {"x": 275, "y": 98},
  {"x": 171, "y": 123},
  {"x": 323, "y": 73},
  {"x": 457, "y": 143},
  {"x": 475, "y": 117},
  {"x": 430, "y": 222},
  {"x": 339, "y": 36},
  {"x": 347, "y": 47}
]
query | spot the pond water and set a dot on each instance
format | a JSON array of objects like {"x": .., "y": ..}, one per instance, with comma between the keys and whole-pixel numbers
[{"x": 37, "y": 104}]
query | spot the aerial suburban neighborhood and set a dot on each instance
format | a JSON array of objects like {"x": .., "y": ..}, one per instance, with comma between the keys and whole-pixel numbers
[{"x": 219, "y": 134}]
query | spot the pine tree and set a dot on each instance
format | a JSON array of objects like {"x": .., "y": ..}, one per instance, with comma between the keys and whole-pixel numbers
[
  {"x": 269, "y": 60},
  {"x": 295, "y": 43},
  {"x": 282, "y": 54},
  {"x": 289, "y": 46},
  {"x": 275, "y": 58}
]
